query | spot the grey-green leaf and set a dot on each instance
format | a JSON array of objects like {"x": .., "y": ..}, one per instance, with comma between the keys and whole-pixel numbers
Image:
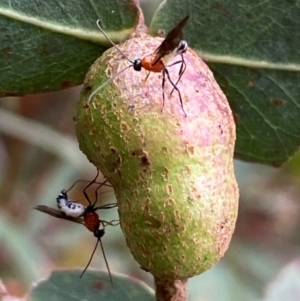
[
  {"x": 66, "y": 285},
  {"x": 49, "y": 45}
]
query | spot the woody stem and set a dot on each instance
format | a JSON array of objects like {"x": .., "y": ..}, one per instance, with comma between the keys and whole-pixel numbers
[{"x": 170, "y": 290}]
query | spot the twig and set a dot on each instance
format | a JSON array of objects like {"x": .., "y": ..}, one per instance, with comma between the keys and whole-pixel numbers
[{"x": 171, "y": 290}]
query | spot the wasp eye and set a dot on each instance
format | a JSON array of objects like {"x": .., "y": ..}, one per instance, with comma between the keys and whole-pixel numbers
[{"x": 137, "y": 65}]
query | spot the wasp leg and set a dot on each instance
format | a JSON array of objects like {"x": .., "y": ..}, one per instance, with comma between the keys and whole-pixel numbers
[
  {"x": 174, "y": 87},
  {"x": 163, "y": 86},
  {"x": 181, "y": 70},
  {"x": 144, "y": 80}
]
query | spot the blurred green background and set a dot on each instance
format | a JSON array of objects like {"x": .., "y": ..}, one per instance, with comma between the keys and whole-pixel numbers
[{"x": 39, "y": 157}]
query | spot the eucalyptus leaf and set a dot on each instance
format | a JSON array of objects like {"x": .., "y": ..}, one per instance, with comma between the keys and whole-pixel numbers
[
  {"x": 49, "y": 45},
  {"x": 66, "y": 285}
]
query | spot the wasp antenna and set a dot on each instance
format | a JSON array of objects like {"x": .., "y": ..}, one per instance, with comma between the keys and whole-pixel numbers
[
  {"x": 98, "y": 89},
  {"x": 74, "y": 185},
  {"x": 90, "y": 258},
  {"x": 104, "y": 184},
  {"x": 107, "y": 266},
  {"x": 104, "y": 84},
  {"x": 86, "y": 187},
  {"x": 98, "y": 24}
]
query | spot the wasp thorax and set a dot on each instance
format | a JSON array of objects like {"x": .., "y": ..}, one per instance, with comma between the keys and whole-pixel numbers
[
  {"x": 182, "y": 47},
  {"x": 172, "y": 175}
]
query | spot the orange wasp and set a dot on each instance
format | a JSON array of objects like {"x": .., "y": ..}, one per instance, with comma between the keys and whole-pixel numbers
[
  {"x": 85, "y": 215},
  {"x": 158, "y": 61}
]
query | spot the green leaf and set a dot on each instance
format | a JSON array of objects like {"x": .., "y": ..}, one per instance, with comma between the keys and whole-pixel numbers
[
  {"x": 66, "y": 285},
  {"x": 50, "y": 45},
  {"x": 253, "y": 50}
]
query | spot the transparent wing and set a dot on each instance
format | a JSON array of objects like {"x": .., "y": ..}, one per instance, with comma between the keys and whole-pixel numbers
[
  {"x": 58, "y": 214},
  {"x": 171, "y": 41}
]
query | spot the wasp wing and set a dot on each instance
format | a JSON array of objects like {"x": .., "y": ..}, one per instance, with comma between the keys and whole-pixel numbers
[
  {"x": 58, "y": 214},
  {"x": 170, "y": 42}
]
